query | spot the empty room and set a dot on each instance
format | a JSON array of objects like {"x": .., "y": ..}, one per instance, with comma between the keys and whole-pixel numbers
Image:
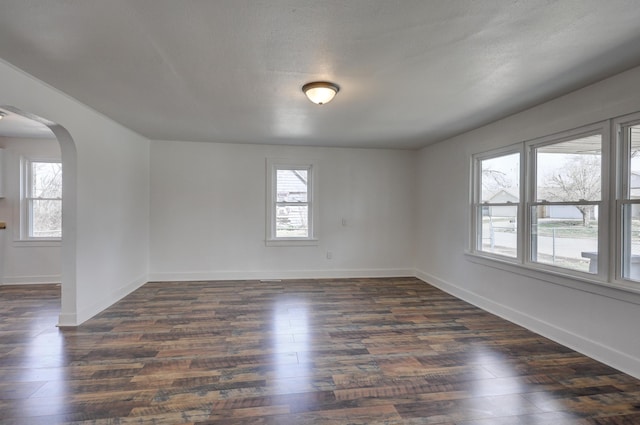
[{"x": 319, "y": 212}]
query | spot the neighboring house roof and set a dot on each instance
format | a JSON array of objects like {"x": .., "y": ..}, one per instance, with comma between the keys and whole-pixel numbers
[
  {"x": 634, "y": 180},
  {"x": 503, "y": 195},
  {"x": 292, "y": 185}
]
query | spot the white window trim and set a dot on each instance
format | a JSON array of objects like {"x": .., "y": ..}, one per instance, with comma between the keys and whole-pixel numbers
[
  {"x": 603, "y": 128},
  {"x": 619, "y": 186},
  {"x": 21, "y": 232},
  {"x": 626, "y": 291},
  {"x": 272, "y": 165},
  {"x": 476, "y": 204},
  {"x": 608, "y": 281}
]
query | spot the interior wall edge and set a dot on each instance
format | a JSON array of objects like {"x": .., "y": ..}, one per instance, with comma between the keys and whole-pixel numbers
[
  {"x": 87, "y": 312},
  {"x": 67, "y": 320},
  {"x": 614, "y": 358}
]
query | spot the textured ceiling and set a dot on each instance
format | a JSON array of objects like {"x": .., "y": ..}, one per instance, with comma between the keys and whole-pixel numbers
[{"x": 411, "y": 72}]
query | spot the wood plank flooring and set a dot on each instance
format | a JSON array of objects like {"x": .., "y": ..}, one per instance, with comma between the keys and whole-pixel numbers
[{"x": 350, "y": 351}]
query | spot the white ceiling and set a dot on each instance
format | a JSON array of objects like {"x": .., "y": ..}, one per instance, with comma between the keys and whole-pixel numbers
[{"x": 411, "y": 72}]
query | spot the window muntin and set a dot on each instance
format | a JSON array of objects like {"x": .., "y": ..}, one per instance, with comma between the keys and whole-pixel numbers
[
  {"x": 290, "y": 202},
  {"x": 568, "y": 192},
  {"x": 497, "y": 212},
  {"x": 41, "y": 200}
]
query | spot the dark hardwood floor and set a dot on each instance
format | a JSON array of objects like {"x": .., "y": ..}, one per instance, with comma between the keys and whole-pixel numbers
[{"x": 351, "y": 351}]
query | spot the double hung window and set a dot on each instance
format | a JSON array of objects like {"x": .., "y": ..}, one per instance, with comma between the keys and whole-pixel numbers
[
  {"x": 497, "y": 203},
  {"x": 541, "y": 203},
  {"x": 291, "y": 202},
  {"x": 41, "y": 203},
  {"x": 566, "y": 201}
]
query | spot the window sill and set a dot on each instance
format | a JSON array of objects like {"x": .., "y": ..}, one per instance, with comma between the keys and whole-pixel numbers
[
  {"x": 627, "y": 292},
  {"x": 292, "y": 242},
  {"x": 40, "y": 243}
]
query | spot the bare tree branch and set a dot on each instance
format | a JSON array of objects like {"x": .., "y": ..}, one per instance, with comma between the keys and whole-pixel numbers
[{"x": 578, "y": 180}]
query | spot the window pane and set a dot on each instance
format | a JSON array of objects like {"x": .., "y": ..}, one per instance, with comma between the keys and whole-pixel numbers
[
  {"x": 634, "y": 163},
  {"x": 46, "y": 219},
  {"x": 631, "y": 242},
  {"x": 561, "y": 237},
  {"x": 292, "y": 221},
  {"x": 499, "y": 230},
  {"x": 292, "y": 185},
  {"x": 569, "y": 171},
  {"x": 500, "y": 179},
  {"x": 46, "y": 180}
]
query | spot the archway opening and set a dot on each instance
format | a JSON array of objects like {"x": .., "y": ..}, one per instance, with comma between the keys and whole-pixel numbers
[{"x": 38, "y": 207}]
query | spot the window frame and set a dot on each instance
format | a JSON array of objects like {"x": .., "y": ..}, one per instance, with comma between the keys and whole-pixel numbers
[
  {"x": 26, "y": 202},
  {"x": 531, "y": 201},
  {"x": 620, "y": 175},
  {"x": 272, "y": 167},
  {"x": 477, "y": 205},
  {"x": 523, "y": 259}
]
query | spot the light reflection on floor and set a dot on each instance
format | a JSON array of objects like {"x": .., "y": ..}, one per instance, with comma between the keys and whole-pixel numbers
[
  {"x": 44, "y": 361},
  {"x": 290, "y": 343},
  {"x": 507, "y": 393}
]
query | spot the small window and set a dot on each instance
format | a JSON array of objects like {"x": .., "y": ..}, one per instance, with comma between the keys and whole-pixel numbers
[
  {"x": 497, "y": 203},
  {"x": 291, "y": 204},
  {"x": 41, "y": 206}
]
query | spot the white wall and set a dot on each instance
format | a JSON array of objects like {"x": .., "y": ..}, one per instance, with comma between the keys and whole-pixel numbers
[
  {"x": 598, "y": 321},
  {"x": 28, "y": 262},
  {"x": 208, "y": 213},
  {"x": 106, "y": 196}
]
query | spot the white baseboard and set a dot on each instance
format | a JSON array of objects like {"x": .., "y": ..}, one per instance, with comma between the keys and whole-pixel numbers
[
  {"x": 277, "y": 274},
  {"x": 614, "y": 358},
  {"x": 67, "y": 319},
  {"x": 31, "y": 280}
]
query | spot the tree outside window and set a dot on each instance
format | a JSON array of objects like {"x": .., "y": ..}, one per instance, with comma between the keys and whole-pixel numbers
[{"x": 564, "y": 217}]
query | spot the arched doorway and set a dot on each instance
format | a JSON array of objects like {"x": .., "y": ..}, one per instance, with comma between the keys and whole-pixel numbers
[{"x": 30, "y": 124}]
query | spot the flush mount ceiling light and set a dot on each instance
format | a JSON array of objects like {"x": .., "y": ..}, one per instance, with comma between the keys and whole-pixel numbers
[{"x": 320, "y": 92}]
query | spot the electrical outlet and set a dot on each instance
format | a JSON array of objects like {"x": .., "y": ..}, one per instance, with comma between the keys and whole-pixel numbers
[{"x": 329, "y": 255}]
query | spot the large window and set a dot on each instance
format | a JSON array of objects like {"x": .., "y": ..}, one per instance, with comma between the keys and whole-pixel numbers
[
  {"x": 565, "y": 206},
  {"x": 291, "y": 203},
  {"x": 41, "y": 206},
  {"x": 552, "y": 222}
]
